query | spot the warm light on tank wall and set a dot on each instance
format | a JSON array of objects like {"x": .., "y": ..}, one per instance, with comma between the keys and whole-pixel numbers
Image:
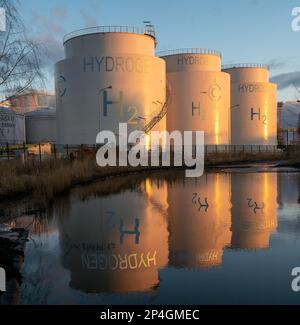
[
  {"x": 266, "y": 188},
  {"x": 148, "y": 141},
  {"x": 266, "y": 132},
  {"x": 218, "y": 192},
  {"x": 266, "y": 122},
  {"x": 148, "y": 187},
  {"x": 217, "y": 131},
  {"x": 217, "y": 126}
]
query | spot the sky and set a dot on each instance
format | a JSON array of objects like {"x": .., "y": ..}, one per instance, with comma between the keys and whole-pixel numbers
[{"x": 244, "y": 31}]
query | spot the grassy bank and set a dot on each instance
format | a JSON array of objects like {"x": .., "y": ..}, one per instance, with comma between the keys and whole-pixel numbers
[{"x": 49, "y": 178}]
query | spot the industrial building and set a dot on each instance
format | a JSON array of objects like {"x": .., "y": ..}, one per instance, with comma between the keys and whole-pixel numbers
[
  {"x": 109, "y": 75},
  {"x": 31, "y": 100},
  {"x": 253, "y": 105},
  {"x": 200, "y": 94},
  {"x": 41, "y": 125},
  {"x": 12, "y": 127}
]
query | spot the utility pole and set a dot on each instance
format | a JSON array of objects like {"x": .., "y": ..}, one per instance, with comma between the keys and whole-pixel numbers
[{"x": 280, "y": 137}]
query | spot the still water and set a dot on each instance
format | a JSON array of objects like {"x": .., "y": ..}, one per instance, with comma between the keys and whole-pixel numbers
[{"x": 226, "y": 237}]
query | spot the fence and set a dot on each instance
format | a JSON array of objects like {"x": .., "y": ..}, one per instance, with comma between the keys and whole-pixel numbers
[{"x": 42, "y": 151}]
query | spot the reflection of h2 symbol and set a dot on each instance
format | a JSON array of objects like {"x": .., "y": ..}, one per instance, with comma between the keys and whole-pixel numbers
[
  {"x": 255, "y": 206},
  {"x": 201, "y": 205},
  {"x": 135, "y": 232},
  {"x": 2, "y": 280}
]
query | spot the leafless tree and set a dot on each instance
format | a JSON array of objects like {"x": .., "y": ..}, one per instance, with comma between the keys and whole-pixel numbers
[{"x": 20, "y": 63}]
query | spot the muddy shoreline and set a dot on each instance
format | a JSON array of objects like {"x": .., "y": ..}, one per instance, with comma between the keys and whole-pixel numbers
[{"x": 12, "y": 250}]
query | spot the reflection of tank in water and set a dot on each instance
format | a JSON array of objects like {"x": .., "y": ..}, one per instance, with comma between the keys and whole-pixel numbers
[
  {"x": 288, "y": 189},
  {"x": 114, "y": 244},
  {"x": 200, "y": 224},
  {"x": 254, "y": 209}
]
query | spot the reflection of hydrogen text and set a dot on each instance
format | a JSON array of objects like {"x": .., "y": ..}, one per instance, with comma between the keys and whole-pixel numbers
[{"x": 118, "y": 261}]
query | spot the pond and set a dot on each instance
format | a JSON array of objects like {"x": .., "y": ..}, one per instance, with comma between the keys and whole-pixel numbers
[{"x": 228, "y": 237}]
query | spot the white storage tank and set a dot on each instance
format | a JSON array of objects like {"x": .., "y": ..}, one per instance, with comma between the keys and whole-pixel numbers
[
  {"x": 253, "y": 105},
  {"x": 110, "y": 75},
  {"x": 200, "y": 94},
  {"x": 41, "y": 125},
  {"x": 12, "y": 127}
]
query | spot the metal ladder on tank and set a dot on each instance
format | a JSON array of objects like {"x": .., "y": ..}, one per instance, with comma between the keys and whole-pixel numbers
[{"x": 157, "y": 118}]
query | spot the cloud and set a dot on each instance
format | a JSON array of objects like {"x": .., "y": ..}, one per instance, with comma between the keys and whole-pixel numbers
[
  {"x": 47, "y": 24},
  {"x": 286, "y": 80},
  {"x": 277, "y": 63},
  {"x": 48, "y": 33},
  {"x": 52, "y": 48},
  {"x": 89, "y": 20},
  {"x": 59, "y": 12}
]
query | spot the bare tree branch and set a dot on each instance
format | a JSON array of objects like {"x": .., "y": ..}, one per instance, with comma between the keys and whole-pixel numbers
[{"x": 20, "y": 63}]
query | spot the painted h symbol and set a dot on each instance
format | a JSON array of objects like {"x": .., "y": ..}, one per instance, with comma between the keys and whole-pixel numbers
[
  {"x": 255, "y": 113},
  {"x": 107, "y": 102},
  {"x": 195, "y": 108},
  {"x": 2, "y": 279},
  {"x": 135, "y": 232}
]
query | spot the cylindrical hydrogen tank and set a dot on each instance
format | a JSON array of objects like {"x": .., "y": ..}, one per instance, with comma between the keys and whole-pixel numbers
[
  {"x": 254, "y": 209},
  {"x": 12, "y": 127},
  {"x": 199, "y": 94},
  {"x": 199, "y": 226},
  {"x": 253, "y": 105},
  {"x": 41, "y": 126},
  {"x": 109, "y": 76}
]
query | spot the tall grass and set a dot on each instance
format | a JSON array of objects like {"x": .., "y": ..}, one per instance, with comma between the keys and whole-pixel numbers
[{"x": 49, "y": 178}]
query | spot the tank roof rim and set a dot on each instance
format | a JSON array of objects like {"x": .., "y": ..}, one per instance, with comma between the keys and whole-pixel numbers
[
  {"x": 246, "y": 65},
  {"x": 42, "y": 111},
  {"x": 9, "y": 110},
  {"x": 110, "y": 29},
  {"x": 196, "y": 50}
]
